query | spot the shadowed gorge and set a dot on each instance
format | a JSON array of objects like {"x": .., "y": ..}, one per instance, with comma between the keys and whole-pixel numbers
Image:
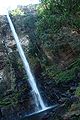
[{"x": 49, "y": 35}]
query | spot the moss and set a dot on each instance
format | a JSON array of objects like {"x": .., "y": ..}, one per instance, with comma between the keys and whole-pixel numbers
[
  {"x": 9, "y": 100},
  {"x": 78, "y": 91},
  {"x": 65, "y": 75},
  {"x": 59, "y": 75}
]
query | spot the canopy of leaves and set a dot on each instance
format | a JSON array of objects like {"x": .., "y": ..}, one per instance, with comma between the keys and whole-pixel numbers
[{"x": 48, "y": 27}]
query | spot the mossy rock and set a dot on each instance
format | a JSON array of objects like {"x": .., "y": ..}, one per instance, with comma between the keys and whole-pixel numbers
[{"x": 78, "y": 91}]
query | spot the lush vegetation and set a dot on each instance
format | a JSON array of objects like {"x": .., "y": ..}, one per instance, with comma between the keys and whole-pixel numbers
[
  {"x": 52, "y": 16},
  {"x": 52, "y": 31},
  {"x": 47, "y": 29}
]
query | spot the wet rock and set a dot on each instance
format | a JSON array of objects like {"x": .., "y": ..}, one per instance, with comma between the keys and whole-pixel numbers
[
  {"x": 72, "y": 115},
  {"x": 8, "y": 92},
  {"x": 46, "y": 117},
  {"x": 78, "y": 75},
  {"x": 11, "y": 44},
  {"x": 72, "y": 89},
  {"x": 62, "y": 100},
  {"x": 74, "y": 98},
  {"x": 0, "y": 113}
]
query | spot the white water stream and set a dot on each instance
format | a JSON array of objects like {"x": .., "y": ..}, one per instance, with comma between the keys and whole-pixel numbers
[{"x": 38, "y": 99}]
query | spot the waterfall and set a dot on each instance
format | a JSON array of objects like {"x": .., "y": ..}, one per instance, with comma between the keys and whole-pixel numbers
[{"x": 31, "y": 80}]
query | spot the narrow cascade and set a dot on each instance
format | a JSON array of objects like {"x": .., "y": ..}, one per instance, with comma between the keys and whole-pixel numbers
[{"x": 38, "y": 100}]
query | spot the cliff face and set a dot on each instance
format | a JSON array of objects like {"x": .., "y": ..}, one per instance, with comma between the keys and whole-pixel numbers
[
  {"x": 58, "y": 83},
  {"x": 14, "y": 89},
  {"x": 6, "y": 72},
  {"x": 9, "y": 56}
]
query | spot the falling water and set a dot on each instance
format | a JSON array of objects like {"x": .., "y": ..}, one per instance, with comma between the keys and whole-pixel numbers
[{"x": 38, "y": 99}]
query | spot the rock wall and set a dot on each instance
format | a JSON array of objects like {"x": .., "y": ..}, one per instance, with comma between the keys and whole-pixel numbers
[{"x": 13, "y": 82}]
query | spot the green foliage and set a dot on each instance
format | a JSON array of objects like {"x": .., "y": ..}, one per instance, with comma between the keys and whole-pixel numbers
[
  {"x": 70, "y": 73},
  {"x": 53, "y": 71},
  {"x": 66, "y": 75},
  {"x": 44, "y": 29},
  {"x": 78, "y": 91},
  {"x": 9, "y": 100},
  {"x": 16, "y": 12},
  {"x": 55, "y": 14}
]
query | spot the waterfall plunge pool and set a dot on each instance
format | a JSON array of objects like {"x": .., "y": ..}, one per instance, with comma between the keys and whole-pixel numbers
[
  {"x": 43, "y": 110},
  {"x": 40, "y": 114}
]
